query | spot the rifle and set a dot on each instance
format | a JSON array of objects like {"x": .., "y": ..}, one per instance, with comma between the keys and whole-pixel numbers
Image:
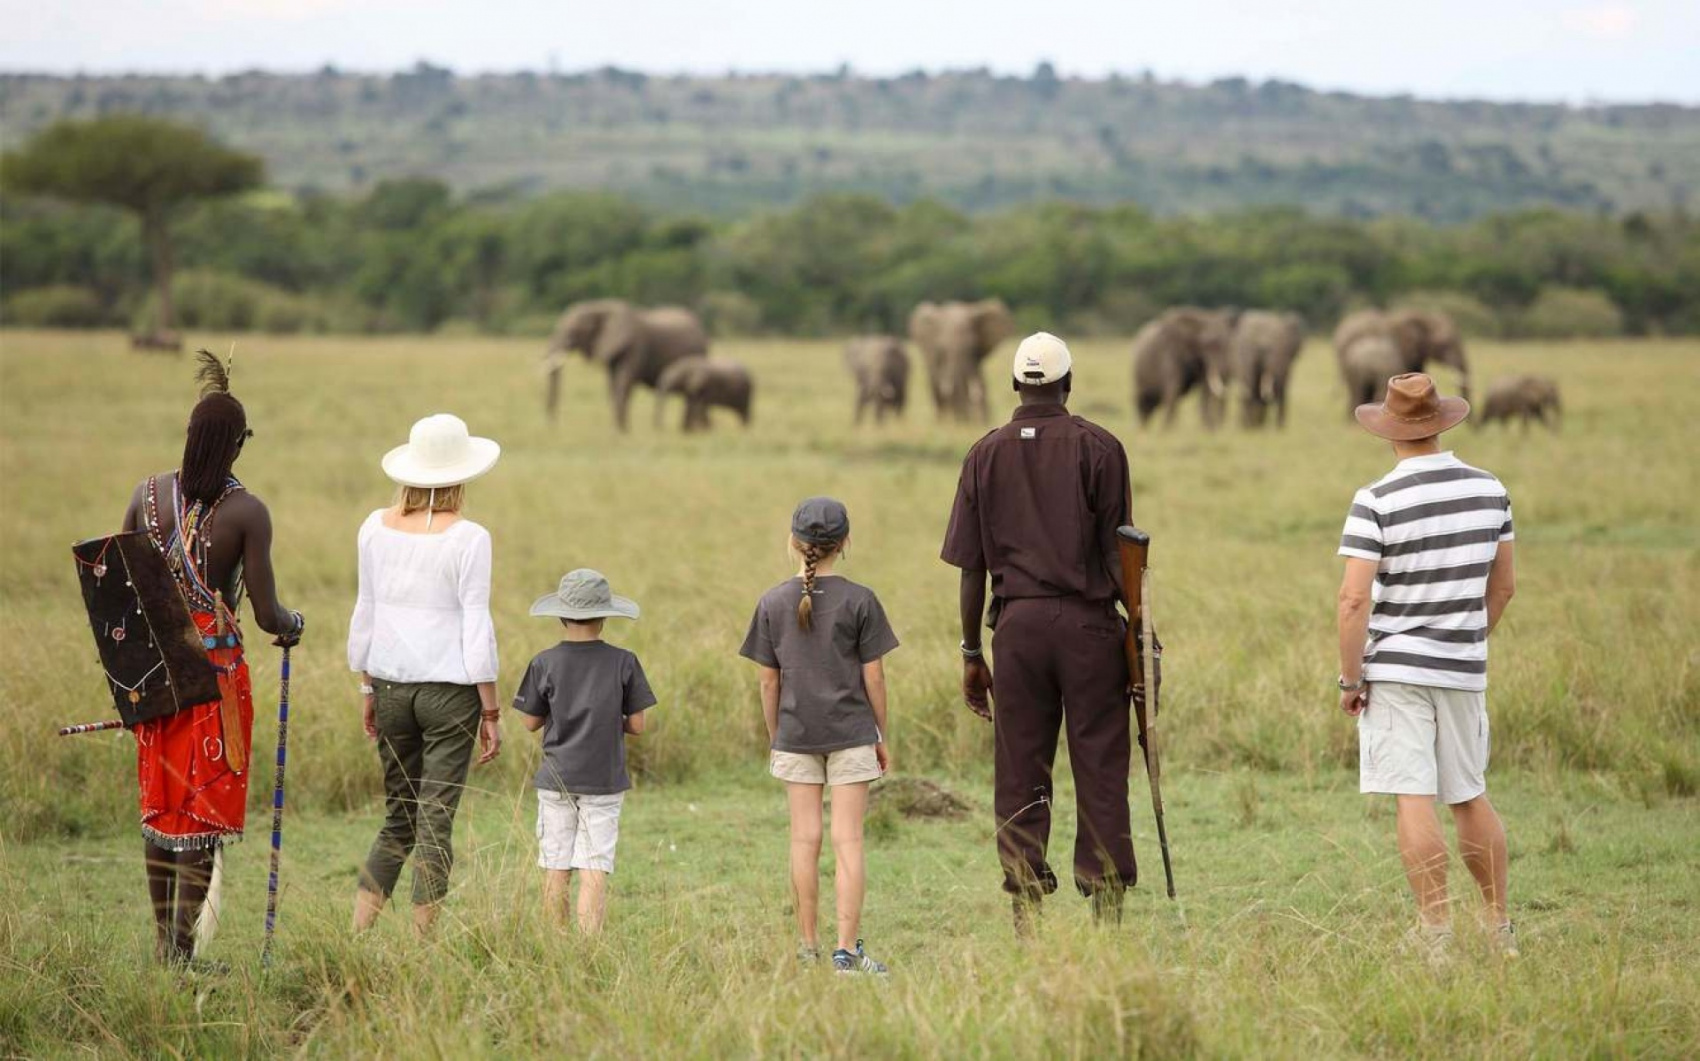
[{"x": 1145, "y": 670}]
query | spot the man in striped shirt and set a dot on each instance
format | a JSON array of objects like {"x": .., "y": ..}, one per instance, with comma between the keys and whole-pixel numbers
[{"x": 1428, "y": 575}]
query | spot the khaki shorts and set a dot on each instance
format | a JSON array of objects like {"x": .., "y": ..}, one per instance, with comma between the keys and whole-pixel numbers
[
  {"x": 577, "y": 832},
  {"x": 847, "y": 766},
  {"x": 1419, "y": 740}
]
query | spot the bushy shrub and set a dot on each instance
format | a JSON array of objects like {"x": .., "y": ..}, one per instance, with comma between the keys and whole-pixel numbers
[
  {"x": 223, "y": 302},
  {"x": 1472, "y": 316},
  {"x": 727, "y": 313},
  {"x": 54, "y": 306},
  {"x": 1569, "y": 313}
]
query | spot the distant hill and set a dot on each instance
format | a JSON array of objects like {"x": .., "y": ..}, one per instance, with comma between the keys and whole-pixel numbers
[{"x": 978, "y": 141}]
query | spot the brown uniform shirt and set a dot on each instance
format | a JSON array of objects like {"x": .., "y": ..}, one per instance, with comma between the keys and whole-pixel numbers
[{"x": 1038, "y": 506}]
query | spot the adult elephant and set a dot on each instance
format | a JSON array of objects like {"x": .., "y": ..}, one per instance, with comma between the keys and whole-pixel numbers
[
  {"x": 635, "y": 345},
  {"x": 1263, "y": 350},
  {"x": 705, "y": 383},
  {"x": 1185, "y": 348},
  {"x": 880, "y": 366},
  {"x": 1418, "y": 337},
  {"x": 954, "y": 337}
]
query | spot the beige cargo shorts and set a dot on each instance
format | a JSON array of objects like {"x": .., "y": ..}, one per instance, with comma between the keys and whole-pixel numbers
[
  {"x": 1420, "y": 740},
  {"x": 847, "y": 766}
]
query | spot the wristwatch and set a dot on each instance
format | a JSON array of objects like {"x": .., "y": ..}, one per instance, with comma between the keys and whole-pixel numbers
[
  {"x": 970, "y": 653},
  {"x": 367, "y": 690},
  {"x": 1341, "y": 682}
]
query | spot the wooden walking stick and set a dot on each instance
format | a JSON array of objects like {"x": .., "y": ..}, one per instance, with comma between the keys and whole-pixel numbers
[
  {"x": 1145, "y": 671},
  {"x": 277, "y": 810}
]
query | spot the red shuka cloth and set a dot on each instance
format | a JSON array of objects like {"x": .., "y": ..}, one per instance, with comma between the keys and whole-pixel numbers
[{"x": 190, "y": 796}]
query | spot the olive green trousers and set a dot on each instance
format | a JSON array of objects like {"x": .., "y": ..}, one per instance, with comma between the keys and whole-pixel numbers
[{"x": 426, "y": 733}]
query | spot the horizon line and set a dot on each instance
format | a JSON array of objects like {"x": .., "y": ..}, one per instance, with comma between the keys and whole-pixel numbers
[{"x": 847, "y": 72}]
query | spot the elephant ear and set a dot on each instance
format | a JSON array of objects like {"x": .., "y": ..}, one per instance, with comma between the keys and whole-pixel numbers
[
  {"x": 924, "y": 324},
  {"x": 992, "y": 323},
  {"x": 619, "y": 332}
]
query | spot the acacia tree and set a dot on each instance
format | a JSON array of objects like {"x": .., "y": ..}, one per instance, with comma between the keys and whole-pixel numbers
[{"x": 146, "y": 165}]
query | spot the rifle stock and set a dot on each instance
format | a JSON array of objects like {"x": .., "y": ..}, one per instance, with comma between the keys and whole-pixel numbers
[{"x": 1144, "y": 672}]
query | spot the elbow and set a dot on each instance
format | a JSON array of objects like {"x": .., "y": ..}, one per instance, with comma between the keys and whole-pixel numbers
[{"x": 1352, "y": 603}]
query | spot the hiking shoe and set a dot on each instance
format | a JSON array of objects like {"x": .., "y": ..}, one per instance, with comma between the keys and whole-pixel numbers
[
  {"x": 1505, "y": 937},
  {"x": 857, "y": 963},
  {"x": 808, "y": 955},
  {"x": 1431, "y": 943}
]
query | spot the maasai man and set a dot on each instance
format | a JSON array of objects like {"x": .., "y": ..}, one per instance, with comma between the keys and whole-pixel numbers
[
  {"x": 192, "y": 766},
  {"x": 1037, "y": 508}
]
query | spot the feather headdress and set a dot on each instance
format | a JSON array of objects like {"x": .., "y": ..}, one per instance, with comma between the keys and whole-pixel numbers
[{"x": 214, "y": 375}]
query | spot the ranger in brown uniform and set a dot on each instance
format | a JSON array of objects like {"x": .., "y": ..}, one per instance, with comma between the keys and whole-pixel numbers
[{"x": 1037, "y": 507}]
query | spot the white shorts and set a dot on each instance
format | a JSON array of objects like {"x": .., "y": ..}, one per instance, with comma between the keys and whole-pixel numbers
[
  {"x": 1419, "y": 740},
  {"x": 846, "y": 766},
  {"x": 577, "y": 832}
]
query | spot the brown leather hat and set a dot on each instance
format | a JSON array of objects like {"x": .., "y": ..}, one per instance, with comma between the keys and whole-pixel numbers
[{"x": 1413, "y": 409}]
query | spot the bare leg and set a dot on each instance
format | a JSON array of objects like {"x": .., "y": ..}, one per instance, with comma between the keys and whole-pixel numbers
[
  {"x": 424, "y": 916},
  {"x": 162, "y": 889},
  {"x": 1422, "y": 847},
  {"x": 805, "y": 856},
  {"x": 194, "y": 874},
  {"x": 557, "y": 884},
  {"x": 592, "y": 900},
  {"x": 367, "y": 906},
  {"x": 1481, "y": 840},
  {"x": 849, "y": 805}
]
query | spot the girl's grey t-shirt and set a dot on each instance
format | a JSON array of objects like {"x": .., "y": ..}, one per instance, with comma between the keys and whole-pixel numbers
[
  {"x": 823, "y": 706},
  {"x": 585, "y": 689}
]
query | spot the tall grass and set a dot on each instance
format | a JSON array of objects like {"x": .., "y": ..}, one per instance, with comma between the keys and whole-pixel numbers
[{"x": 1594, "y": 669}]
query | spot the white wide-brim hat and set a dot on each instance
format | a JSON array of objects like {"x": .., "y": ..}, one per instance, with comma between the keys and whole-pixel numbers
[
  {"x": 584, "y": 594},
  {"x": 440, "y": 452}
]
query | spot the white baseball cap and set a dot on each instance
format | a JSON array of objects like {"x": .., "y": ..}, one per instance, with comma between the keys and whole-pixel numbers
[{"x": 1041, "y": 358}]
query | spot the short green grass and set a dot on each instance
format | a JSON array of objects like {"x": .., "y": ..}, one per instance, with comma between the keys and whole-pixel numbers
[
  {"x": 1291, "y": 889},
  {"x": 1285, "y": 940}
]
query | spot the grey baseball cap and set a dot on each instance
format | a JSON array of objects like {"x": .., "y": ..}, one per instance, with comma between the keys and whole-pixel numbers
[
  {"x": 584, "y": 594},
  {"x": 820, "y": 521}
]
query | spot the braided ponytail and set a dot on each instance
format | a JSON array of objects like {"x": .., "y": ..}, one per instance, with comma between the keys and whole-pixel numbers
[{"x": 806, "y": 606}]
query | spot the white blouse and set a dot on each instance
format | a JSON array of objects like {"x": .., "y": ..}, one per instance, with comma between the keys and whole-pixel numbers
[{"x": 423, "y": 614}]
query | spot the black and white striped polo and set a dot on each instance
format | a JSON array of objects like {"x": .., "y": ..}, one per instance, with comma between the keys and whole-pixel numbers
[{"x": 1432, "y": 525}]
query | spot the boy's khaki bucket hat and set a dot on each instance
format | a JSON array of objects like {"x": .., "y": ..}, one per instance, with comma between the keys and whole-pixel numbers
[
  {"x": 583, "y": 595},
  {"x": 1413, "y": 409}
]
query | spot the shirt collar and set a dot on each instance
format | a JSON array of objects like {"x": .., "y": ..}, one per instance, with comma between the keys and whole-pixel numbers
[
  {"x": 1427, "y": 461},
  {"x": 1036, "y": 412}
]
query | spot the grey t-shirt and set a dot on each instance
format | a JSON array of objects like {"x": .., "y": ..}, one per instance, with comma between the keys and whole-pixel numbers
[
  {"x": 823, "y": 706},
  {"x": 585, "y": 689}
]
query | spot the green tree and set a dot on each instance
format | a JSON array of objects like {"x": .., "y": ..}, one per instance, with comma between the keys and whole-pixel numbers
[{"x": 145, "y": 165}]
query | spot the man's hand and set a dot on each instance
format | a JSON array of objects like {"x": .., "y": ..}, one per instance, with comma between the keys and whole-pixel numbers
[
  {"x": 883, "y": 754},
  {"x": 489, "y": 740},
  {"x": 977, "y": 686},
  {"x": 293, "y": 637},
  {"x": 369, "y": 718},
  {"x": 1354, "y": 702}
]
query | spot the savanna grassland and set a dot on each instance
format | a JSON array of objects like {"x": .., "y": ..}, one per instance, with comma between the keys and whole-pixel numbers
[{"x": 1286, "y": 938}]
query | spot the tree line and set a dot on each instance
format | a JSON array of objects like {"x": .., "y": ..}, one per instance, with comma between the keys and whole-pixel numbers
[{"x": 411, "y": 255}]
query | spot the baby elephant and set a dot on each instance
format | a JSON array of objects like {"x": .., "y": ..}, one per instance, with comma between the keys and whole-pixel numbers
[
  {"x": 705, "y": 382},
  {"x": 880, "y": 366},
  {"x": 1527, "y": 397}
]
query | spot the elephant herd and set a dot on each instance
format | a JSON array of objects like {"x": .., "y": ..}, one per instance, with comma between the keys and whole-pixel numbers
[{"x": 1216, "y": 352}]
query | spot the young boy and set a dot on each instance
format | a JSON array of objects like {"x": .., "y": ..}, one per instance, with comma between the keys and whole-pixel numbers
[{"x": 583, "y": 694}]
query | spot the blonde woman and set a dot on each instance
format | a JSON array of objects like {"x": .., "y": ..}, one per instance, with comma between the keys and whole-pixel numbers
[{"x": 423, "y": 644}]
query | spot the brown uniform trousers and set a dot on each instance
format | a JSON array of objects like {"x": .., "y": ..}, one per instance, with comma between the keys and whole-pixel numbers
[{"x": 1059, "y": 660}]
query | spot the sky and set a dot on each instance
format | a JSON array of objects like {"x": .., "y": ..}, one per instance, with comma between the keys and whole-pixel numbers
[{"x": 1568, "y": 50}]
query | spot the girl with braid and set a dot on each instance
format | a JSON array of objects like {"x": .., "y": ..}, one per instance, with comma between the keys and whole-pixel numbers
[{"x": 819, "y": 640}]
